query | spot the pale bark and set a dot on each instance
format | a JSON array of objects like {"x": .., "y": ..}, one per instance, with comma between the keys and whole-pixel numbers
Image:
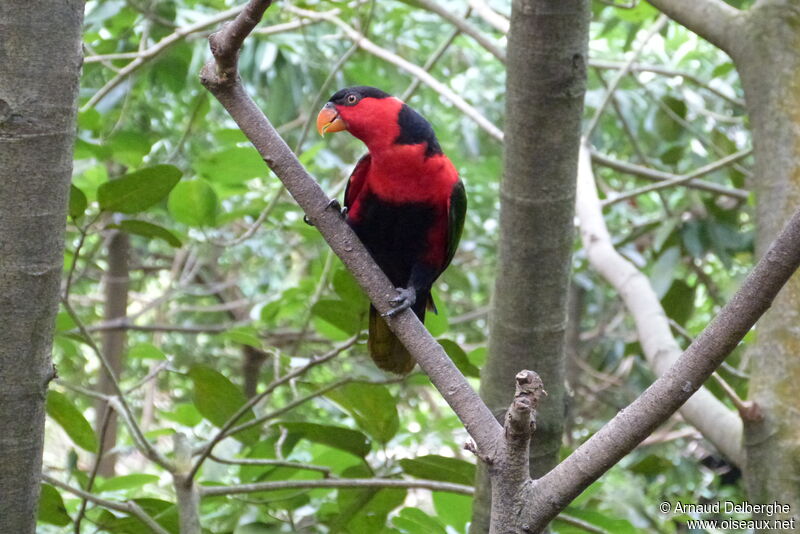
[
  {"x": 769, "y": 64},
  {"x": 545, "y": 87},
  {"x": 720, "y": 425},
  {"x": 765, "y": 46},
  {"x": 40, "y": 63},
  {"x": 551, "y": 493}
]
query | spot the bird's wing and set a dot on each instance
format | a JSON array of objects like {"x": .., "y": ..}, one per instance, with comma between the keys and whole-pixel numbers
[
  {"x": 357, "y": 180},
  {"x": 455, "y": 223}
]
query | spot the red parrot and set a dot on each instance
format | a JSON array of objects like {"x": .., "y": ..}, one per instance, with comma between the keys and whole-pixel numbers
[{"x": 405, "y": 202}]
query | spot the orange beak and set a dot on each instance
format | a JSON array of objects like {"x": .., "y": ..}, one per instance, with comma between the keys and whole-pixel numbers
[{"x": 328, "y": 120}]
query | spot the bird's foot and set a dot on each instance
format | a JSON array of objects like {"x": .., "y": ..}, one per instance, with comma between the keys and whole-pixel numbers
[
  {"x": 406, "y": 297},
  {"x": 332, "y": 204}
]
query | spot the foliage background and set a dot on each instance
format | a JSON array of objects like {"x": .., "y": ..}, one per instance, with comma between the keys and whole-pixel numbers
[{"x": 193, "y": 263}]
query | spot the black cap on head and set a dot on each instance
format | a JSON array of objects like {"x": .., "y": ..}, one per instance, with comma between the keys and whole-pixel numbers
[{"x": 343, "y": 96}]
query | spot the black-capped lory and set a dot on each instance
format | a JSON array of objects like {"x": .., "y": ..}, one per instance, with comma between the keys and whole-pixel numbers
[{"x": 404, "y": 200}]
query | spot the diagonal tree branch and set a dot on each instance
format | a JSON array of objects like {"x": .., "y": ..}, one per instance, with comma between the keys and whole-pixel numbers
[
  {"x": 221, "y": 78},
  {"x": 719, "y": 425},
  {"x": 554, "y": 491},
  {"x": 713, "y": 20}
]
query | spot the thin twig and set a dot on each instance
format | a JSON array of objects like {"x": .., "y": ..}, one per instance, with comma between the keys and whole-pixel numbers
[
  {"x": 495, "y": 19},
  {"x": 415, "y": 70},
  {"x": 681, "y": 180},
  {"x": 433, "y": 59},
  {"x": 76, "y": 255},
  {"x": 208, "y": 491},
  {"x": 228, "y": 428},
  {"x": 118, "y": 400},
  {"x": 95, "y": 466},
  {"x": 654, "y": 174},
  {"x": 626, "y": 68},
  {"x": 326, "y": 471},
  {"x": 464, "y": 27},
  {"x": 129, "y": 507}
]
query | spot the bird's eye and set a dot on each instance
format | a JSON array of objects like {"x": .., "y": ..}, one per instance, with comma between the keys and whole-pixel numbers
[{"x": 351, "y": 99}]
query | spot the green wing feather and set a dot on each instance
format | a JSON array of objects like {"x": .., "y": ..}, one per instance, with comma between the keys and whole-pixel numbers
[{"x": 458, "y": 212}]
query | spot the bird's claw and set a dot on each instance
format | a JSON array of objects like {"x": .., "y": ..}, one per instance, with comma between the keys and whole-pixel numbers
[
  {"x": 338, "y": 207},
  {"x": 332, "y": 204},
  {"x": 406, "y": 297}
]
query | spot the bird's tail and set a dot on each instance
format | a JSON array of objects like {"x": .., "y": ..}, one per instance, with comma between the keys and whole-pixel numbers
[{"x": 386, "y": 350}]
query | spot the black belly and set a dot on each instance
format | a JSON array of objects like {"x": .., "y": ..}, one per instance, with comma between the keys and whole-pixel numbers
[{"x": 395, "y": 234}]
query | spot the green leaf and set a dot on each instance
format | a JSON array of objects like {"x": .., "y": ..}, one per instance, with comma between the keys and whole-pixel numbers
[
  {"x": 217, "y": 398},
  {"x": 126, "y": 482},
  {"x": 146, "y": 351},
  {"x": 667, "y": 127},
  {"x": 193, "y": 203},
  {"x": 244, "y": 335},
  {"x": 138, "y": 190},
  {"x": 51, "y": 507},
  {"x": 663, "y": 270},
  {"x": 345, "y": 316},
  {"x": 348, "y": 289},
  {"x": 77, "y": 202},
  {"x": 231, "y": 166},
  {"x": 146, "y": 229},
  {"x": 365, "y": 510},
  {"x": 678, "y": 303},
  {"x": 722, "y": 69},
  {"x": 415, "y": 521},
  {"x": 338, "y": 437},
  {"x": 435, "y": 467},
  {"x": 453, "y": 509},
  {"x": 185, "y": 414},
  {"x": 437, "y": 323},
  {"x": 129, "y": 148},
  {"x": 459, "y": 358},
  {"x": 64, "y": 412},
  {"x": 477, "y": 357},
  {"x": 372, "y": 406}
]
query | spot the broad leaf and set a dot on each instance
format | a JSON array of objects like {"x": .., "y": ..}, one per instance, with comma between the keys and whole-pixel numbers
[
  {"x": 415, "y": 521},
  {"x": 138, "y": 190},
  {"x": 453, "y": 509},
  {"x": 77, "y": 202},
  {"x": 146, "y": 229},
  {"x": 146, "y": 351},
  {"x": 217, "y": 398},
  {"x": 51, "y": 507},
  {"x": 193, "y": 203},
  {"x": 64, "y": 412},
  {"x": 339, "y": 437},
  {"x": 435, "y": 467},
  {"x": 372, "y": 406},
  {"x": 459, "y": 358}
]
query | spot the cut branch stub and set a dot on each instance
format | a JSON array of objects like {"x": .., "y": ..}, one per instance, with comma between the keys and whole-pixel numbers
[{"x": 521, "y": 416}]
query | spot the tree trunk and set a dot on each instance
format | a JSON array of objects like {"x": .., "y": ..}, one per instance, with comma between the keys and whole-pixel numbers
[
  {"x": 546, "y": 80},
  {"x": 769, "y": 64},
  {"x": 116, "y": 306},
  {"x": 38, "y": 89}
]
